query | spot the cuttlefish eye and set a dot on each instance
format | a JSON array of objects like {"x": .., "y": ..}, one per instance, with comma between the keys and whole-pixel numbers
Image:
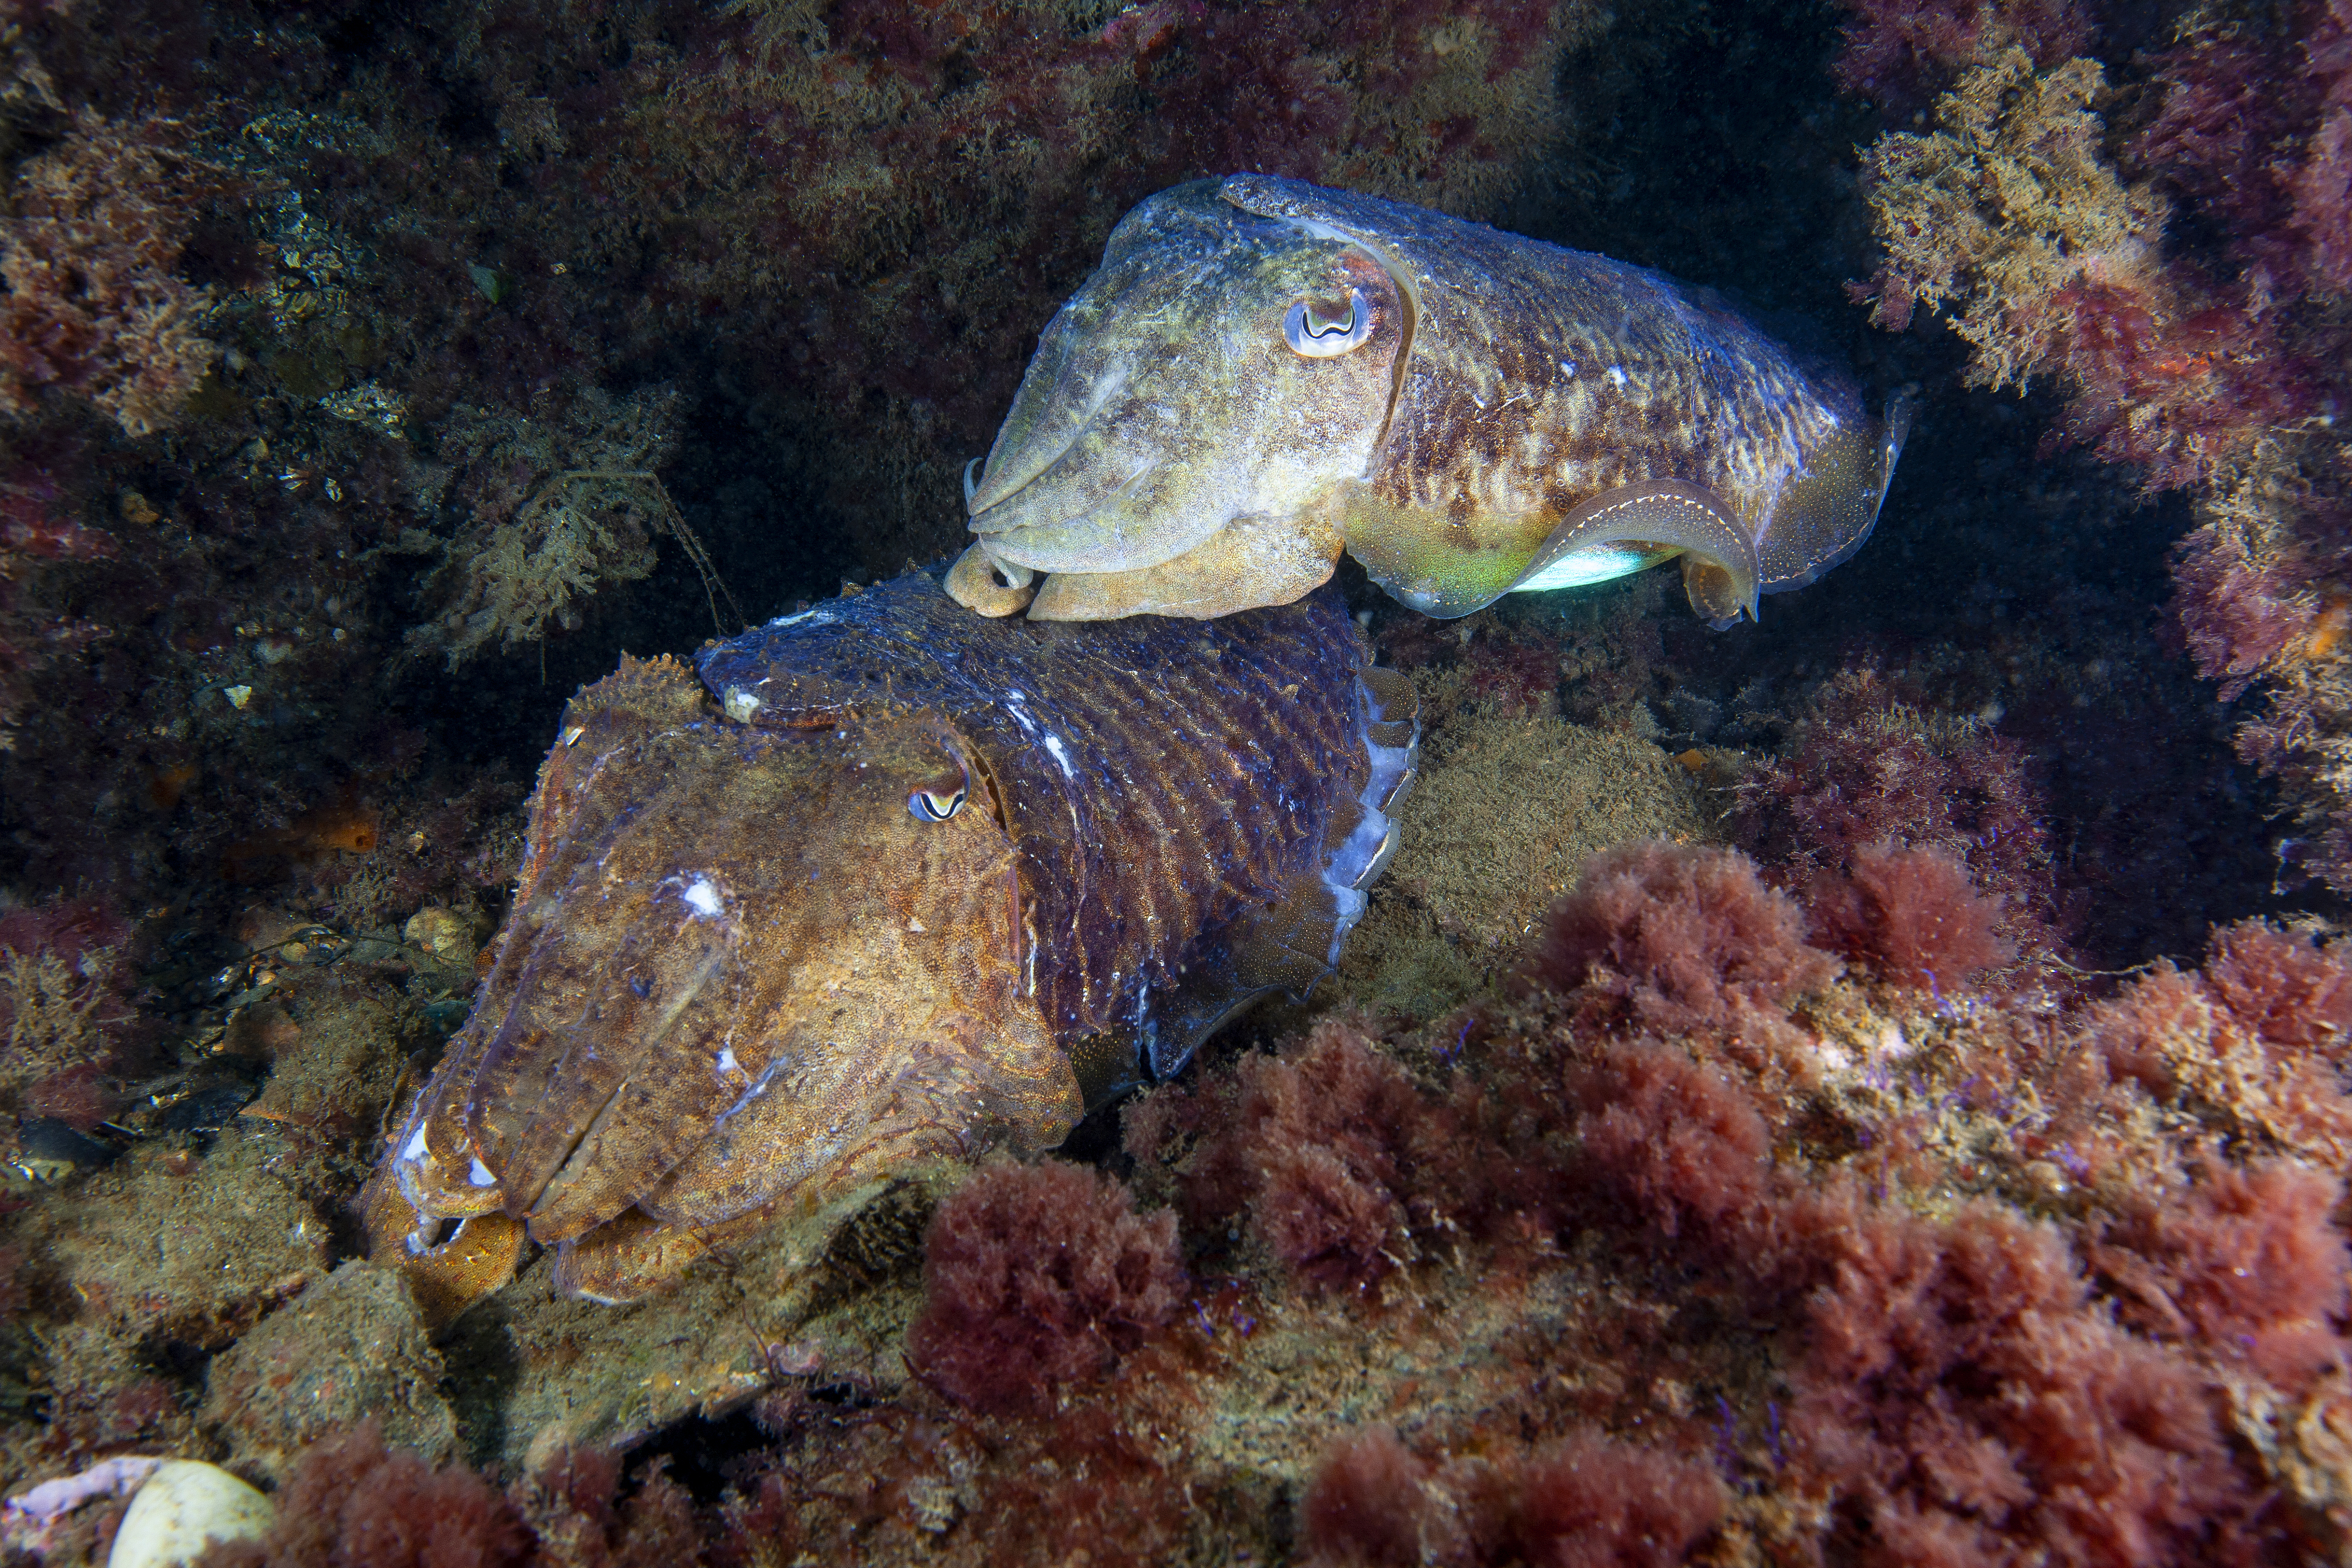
[
  {"x": 937, "y": 805},
  {"x": 1314, "y": 330}
]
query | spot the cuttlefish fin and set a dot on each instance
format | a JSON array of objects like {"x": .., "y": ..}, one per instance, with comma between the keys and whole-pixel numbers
[
  {"x": 1291, "y": 942},
  {"x": 1832, "y": 508},
  {"x": 1283, "y": 944},
  {"x": 1107, "y": 1064},
  {"x": 1719, "y": 565}
]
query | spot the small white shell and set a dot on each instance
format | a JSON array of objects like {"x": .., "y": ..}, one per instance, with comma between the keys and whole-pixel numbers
[{"x": 184, "y": 1505}]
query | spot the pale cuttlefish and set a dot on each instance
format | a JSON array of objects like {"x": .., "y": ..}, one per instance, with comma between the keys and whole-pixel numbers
[{"x": 1264, "y": 372}]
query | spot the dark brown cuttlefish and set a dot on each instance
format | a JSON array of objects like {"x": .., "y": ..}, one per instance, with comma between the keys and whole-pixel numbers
[{"x": 891, "y": 880}]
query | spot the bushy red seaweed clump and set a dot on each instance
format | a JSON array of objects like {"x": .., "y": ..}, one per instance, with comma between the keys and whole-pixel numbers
[
  {"x": 1909, "y": 915},
  {"x": 1035, "y": 1277},
  {"x": 2256, "y": 1039},
  {"x": 1965, "y": 1400},
  {"x": 1668, "y": 938},
  {"x": 1868, "y": 770},
  {"x": 2246, "y": 1263},
  {"x": 1347, "y": 1167},
  {"x": 2016, "y": 1266},
  {"x": 1325, "y": 1148},
  {"x": 876, "y": 1488},
  {"x": 1581, "y": 1502},
  {"x": 353, "y": 1503}
]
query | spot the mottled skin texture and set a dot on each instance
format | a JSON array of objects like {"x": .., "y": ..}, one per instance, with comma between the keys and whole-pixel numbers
[
  {"x": 1509, "y": 403},
  {"x": 890, "y": 881}
]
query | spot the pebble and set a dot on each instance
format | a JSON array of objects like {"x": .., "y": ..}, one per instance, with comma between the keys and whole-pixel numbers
[{"x": 184, "y": 1505}]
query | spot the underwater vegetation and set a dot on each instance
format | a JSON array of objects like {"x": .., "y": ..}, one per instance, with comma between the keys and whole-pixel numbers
[
  {"x": 72, "y": 1022},
  {"x": 362, "y": 353},
  {"x": 2156, "y": 225},
  {"x": 1711, "y": 1235}
]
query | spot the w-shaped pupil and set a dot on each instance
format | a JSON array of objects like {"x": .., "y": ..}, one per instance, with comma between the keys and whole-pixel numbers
[
  {"x": 934, "y": 806},
  {"x": 1322, "y": 326}
]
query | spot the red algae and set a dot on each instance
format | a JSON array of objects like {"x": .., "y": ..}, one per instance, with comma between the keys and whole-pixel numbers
[
  {"x": 1659, "y": 1254},
  {"x": 1900, "y": 53},
  {"x": 2284, "y": 985},
  {"x": 2218, "y": 1041},
  {"x": 1036, "y": 1277},
  {"x": 1983, "y": 1361},
  {"x": 96, "y": 307},
  {"x": 1671, "y": 938},
  {"x": 1964, "y": 1399},
  {"x": 1366, "y": 1504},
  {"x": 1319, "y": 1148},
  {"x": 576, "y": 1505},
  {"x": 1581, "y": 1502},
  {"x": 1873, "y": 771},
  {"x": 2246, "y": 1261},
  {"x": 1912, "y": 915},
  {"x": 2179, "y": 282},
  {"x": 1675, "y": 1142},
  {"x": 352, "y": 1501}
]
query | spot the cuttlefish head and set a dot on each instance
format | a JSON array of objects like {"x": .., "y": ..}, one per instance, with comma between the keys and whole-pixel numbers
[
  {"x": 1212, "y": 384},
  {"x": 755, "y": 960}
]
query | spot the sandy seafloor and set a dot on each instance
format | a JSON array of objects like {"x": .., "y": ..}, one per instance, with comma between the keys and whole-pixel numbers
[{"x": 551, "y": 280}]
